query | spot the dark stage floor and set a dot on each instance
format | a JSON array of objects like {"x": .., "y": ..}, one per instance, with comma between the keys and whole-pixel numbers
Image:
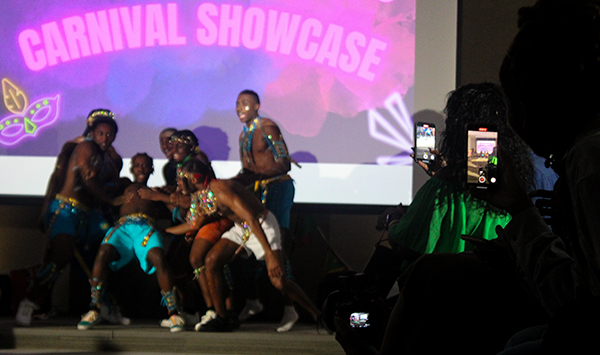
[{"x": 60, "y": 335}]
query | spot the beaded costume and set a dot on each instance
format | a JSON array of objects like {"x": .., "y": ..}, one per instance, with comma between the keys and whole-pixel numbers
[
  {"x": 278, "y": 148},
  {"x": 280, "y": 188},
  {"x": 203, "y": 203}
]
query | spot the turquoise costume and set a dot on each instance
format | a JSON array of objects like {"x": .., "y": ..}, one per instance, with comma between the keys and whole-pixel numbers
[
  {"x": 66, "y": 215},
  {"x": 133, "y": 235},
  {"x": 277, "y": 192}
]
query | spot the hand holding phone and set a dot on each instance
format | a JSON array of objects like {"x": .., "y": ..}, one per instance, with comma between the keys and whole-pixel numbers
[
  {"x": 481, "y": 156},
  {"x": 509, "y": 193},
  {"x": 434, "y": 165},
  {"x": 424, "y": 142}
]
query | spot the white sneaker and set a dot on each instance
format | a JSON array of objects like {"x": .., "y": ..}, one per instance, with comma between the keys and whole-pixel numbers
[
  {"x": 25, "y": 312},
  {"x": 89, "y": 320},
  {"x": 290, "y": 317},
  {"x": 188, "y": 318},
  {"x": 210, "y": 315},
  {"x": 251, "y": 308},
  {"x": 165, "y": 323},
  {"x": 176, "y": 323},
  {"x": 113, "y": 315}
]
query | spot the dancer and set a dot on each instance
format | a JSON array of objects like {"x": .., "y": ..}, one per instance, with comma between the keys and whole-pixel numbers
[
  {"x": 113, "y": 163},
  {"x": 170, "y": 168},
  {"x": 134, "y": 235},
  {"x": 266, "y": 163},
  {"x": 255, "y": 232},
  {"x": 203, "y": 238},
  {"x": 186, "y": 256},
  {"x": 71, "y": 217}
]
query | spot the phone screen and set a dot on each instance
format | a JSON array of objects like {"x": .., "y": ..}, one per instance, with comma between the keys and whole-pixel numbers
[
  {"x": 424, "y": 140},
  {"x": 359, "y": 320},
  {"x": 482, "y": 156}
]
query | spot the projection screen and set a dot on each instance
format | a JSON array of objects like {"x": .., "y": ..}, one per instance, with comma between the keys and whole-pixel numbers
[{"x": 342, "y": 79}]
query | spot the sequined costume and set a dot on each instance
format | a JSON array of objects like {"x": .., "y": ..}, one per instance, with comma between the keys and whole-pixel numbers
[
  {"x": 276, "y": 192},
  {"x": 241, "y": 235},
  {"x": 203, "y": 203},
  {"x": 134, "y": 235},
  {"x": 66, "y": 215}
]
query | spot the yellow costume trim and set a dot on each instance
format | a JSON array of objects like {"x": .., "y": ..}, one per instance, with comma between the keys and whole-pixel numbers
[
  {"x": 91, "y": 118},
  {"x": 73, "y": 202},
  {"x": 265, "y": 183}
]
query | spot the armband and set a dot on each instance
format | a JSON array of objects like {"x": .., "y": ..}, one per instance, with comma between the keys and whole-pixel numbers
[{"x": 278, "y": 148}]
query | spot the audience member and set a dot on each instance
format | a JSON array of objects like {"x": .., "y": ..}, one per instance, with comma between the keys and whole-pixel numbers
[
  {"x": 443, "y": 209},
  {"x": 556, "y": 47},
  {"x": 558, "y": 44}
]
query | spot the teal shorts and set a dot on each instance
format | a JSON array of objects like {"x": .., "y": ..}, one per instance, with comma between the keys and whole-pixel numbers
[
  {"x": 280, "y": 198},
  {"x": 133, "y": 236},
  {"x": 64, "y": 217}
]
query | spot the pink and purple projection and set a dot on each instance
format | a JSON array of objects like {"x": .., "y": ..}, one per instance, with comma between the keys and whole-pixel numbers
[
  {"x": 486, "y": 146},
  {"x": 337, "y": 75}
]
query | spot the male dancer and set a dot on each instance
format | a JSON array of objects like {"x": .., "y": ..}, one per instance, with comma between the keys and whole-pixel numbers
[
  {"x": 113, "y": 163},
  {"x": 70, "y": 217},
  {"x": 181, "y": 146},
  {"x": 134, "y": 235},
  {"x": 187, "y": 262},
  {"x": 266, "y": 162},
  {"x": 170, "y": 168},
  {"x": 256, "y": 232}
]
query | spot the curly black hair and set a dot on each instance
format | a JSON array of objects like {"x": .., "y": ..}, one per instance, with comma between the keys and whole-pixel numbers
[{"x": 483, "y": 104}]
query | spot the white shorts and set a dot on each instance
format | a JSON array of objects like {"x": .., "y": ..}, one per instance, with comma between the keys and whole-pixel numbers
[{"x": 271, "y": 229}]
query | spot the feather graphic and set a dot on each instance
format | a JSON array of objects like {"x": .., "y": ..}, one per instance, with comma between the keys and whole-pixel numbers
[{"x": 14, "y": 98}]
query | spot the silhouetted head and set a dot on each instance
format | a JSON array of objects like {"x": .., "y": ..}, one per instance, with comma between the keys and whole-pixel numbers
[{"x": 551, "y": 73}]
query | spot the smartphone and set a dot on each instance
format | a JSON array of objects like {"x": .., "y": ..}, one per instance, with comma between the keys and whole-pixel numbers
[
  {"x": 482, "y": 156},
  {"x": 424, "y": 140},
  {"x": 359, "y": 320}
]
